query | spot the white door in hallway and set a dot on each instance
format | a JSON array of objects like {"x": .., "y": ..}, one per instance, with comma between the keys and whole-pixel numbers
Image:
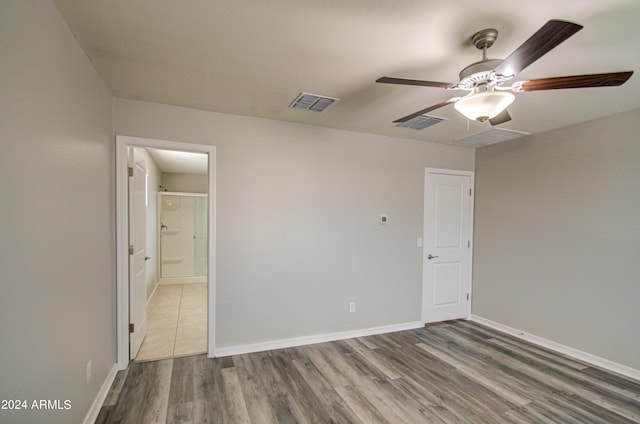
[
  {"x": 137, "y": 253},
  {"x": 446, "y": 285}
]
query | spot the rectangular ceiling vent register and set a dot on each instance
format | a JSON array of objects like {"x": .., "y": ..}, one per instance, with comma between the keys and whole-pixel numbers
[
  {"x": 314, "y": 102},
  {"x": 420, "y": 122},
  {"x": 492, "y": 136}
]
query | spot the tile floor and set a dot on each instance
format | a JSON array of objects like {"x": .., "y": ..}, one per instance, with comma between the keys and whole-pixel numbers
[{"x": 176, "y": 322}]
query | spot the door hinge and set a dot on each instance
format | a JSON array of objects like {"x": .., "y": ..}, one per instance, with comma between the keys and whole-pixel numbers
[
  {"x": 467, "y": 296},
  {"x": 131, "y": 328},
  {"x": 130, "y": 171},
  {"x": 469, "y": 243},
  {"x": 131, "y": 249},
  {"x": 469, "y": 192}
]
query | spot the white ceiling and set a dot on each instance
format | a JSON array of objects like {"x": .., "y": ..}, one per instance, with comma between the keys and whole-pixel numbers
[{"x": 252, "y": 57}]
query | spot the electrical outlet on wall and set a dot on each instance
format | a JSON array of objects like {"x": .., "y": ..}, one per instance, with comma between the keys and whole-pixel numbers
[{"x": 352, "y": 306}]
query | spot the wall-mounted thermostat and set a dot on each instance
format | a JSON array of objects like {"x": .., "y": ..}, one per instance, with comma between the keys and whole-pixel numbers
[{"x": 383, "y": 219}]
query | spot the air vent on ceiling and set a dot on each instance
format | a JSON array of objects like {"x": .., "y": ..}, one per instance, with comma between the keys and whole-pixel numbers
[
  {"x": 313, "y": 102},
  {"x": 492, "y": 136},
  {"x": 420, "y": 122}
]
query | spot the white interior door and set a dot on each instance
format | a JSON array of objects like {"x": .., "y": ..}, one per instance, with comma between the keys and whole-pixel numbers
[
  {"x": 137, "y": 243},
  {"x": 447, "y": 245}
]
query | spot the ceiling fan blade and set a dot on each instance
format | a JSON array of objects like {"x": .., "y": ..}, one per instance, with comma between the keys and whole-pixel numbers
[
  {"x": 576, "y": 81},
  {"x": 404, "y": 81},
  {"x": 423, "y": 111},
  {"x": 540, "y": 43},
  {"x": 501, "y": 118}
]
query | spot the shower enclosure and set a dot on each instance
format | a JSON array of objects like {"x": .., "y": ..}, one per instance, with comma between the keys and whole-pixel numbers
[{"x": 183, "y": 236}]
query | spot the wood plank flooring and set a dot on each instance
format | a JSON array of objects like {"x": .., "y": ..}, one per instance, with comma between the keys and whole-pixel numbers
[{"x": 454, "y": 372}]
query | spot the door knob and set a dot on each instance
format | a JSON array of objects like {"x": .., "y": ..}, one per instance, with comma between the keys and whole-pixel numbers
[
  {"x": 146, "y": 258},
  {"x": 431, "y": 256}
]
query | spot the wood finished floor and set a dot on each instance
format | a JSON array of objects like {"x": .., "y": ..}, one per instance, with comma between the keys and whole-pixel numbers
[{"x": 455, "y": 372}]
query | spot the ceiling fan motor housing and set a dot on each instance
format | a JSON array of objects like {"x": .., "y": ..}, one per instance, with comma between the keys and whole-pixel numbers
[
  {"x": 482, "y": 72},
  {"x": 479, "y": 73}
]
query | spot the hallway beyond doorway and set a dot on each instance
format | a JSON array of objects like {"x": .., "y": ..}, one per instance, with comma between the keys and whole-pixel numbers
[{"x": 176, "y": 322}]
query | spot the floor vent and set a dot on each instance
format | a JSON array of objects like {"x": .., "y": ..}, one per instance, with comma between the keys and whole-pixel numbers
[
  {"x": 314, "y": 102},
  {"x": 420, "y": 122},
  {"x": 492, "y": 136}
]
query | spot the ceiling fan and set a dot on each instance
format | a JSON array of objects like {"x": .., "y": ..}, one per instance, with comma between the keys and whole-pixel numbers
[{"x": 489, "y": 96}]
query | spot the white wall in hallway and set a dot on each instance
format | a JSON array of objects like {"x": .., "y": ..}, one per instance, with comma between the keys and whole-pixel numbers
[{"x": 186, "y": 183}]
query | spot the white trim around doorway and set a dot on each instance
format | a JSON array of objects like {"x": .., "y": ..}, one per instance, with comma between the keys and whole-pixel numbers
[{"x": 122, "y": 238}]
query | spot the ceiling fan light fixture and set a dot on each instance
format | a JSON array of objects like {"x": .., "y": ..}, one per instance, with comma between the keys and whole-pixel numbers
[{"x": 484, "y": 105}]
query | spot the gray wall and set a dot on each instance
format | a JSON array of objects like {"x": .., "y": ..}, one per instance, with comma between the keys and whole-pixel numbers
[
  {"x": 297, "y": 220},
  {"x": 57, "y": 307},
  {"x": 186, "y": 183},
  {"x": 557, "y": 236}
]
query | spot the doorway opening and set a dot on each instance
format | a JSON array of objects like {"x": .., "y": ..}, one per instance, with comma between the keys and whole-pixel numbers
[{"x": 166, "y": 217}]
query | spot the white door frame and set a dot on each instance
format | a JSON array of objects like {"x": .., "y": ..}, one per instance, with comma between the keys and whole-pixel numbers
[
  {"x": 472, "y": 184},
  {"x": 122, "y": 238}
]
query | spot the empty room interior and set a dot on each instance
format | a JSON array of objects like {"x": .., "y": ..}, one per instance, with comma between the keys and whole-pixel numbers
[{"x": 301, "y": 211}]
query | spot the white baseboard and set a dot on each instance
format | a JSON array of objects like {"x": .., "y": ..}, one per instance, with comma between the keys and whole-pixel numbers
[
  {"x": 558, "y": 347},
  {"x": 92, "y": 415},
  {"x": 320, "y": 338},
  {"x": 153, "y": 292}
]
